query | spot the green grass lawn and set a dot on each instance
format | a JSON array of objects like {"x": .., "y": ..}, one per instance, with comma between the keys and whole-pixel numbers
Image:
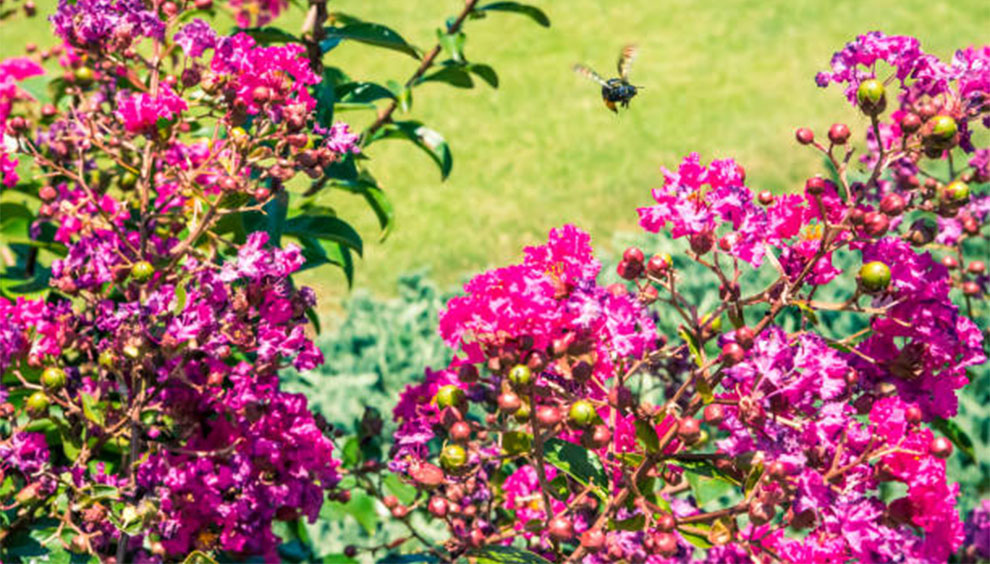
[{"x": 728, "y": 78}]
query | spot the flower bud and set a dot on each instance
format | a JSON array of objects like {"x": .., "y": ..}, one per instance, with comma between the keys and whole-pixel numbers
[
  {"x": 944, "y": 128},
  {"x": 36, "y": 404},
  {"x": 838, "y": 134},
  {"x": 582, "y": 413},
  {"x": 658, "y": 265},
  {"x": 53, "y": 378},
  {"x": 875, "y": 224},
  {"x": 913, "y": 415},
  {"x": 732, "y": 354},
  {"x": 438, "y": 507},
  {"x": 629, "y": 270},
  {"x": 453, "y": 457},
  {"x": 449, "y": 396},
  {"x": 633, "y": 254},
  {"x": 804, "y": 136},
  {"x": 714, "y": 414},
  {"x": 520, "y": 375},
  {"x": 910, "y": 123},
  {"x": 593, "y": 540},
  {"x": 872, "y": 97},
  {"x": 689, "y": 429},
  {"x": 940, "y": 447},
  {"x": 509, "y": 402},
  {"x": 976, "y": 267},
  {"x": 597, "y": 437},
  {"x": 893, "y": 204},
  {"x": 560, "y": 529},
  {"x": 702, "y": 242},
  {"x": 955, "y": 193},
  {"x": 765, "y": 197},
  {"x": 815, "y": 185},
  {"x": 665, "y": 544},
  {"x": 874, "y": 276},
  {"x": 971, "y": 288},
  {"x": 548, "y": 415},
  {"x": 745, "y": 337},
  {"x": 460, "y": 431}
]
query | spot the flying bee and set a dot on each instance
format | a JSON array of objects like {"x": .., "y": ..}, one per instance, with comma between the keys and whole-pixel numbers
[{"x": 615, "y": 90}]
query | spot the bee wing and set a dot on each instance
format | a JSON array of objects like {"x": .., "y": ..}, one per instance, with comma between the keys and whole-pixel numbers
[
  {"x": 588, "y": 73},
  {"x": 626, "y": 58}
]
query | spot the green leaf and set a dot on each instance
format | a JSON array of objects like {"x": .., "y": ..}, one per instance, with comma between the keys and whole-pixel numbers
[
  {"x": 707, "y": 489},
  {"x": 697, "y": 540},
  {"x": 634, "y": 523},
  {"x": 336, "y": 559},
  {"x": 692, "y": 345},
  {"x": 362, "y": 93},
  {"x": 368, "y": 187},
  {"x": 373, "y": 34},
  {"x": 325, "y": 227},
  {"x": 407, "y": 558},
  {"x": 531, "y": 11},
  {"x": 269, "y": 35},
  {"x": 486, "y": 73},
  {"x": 92, "y": 409},
  {"x": 361, "y": 508},
  {"x": 955, "y": 434},
  {"x": 452, "y": 75},
  {"x": 452, "y": 44},
  {"x": 508, "y": 555},
  {"x": 647, "y": 435},
  {"x": 424, "y": 138},
  {"x": 578, "y": 463},
  {"x": 351, "y": 453},
  {"x": 405, "y": 492}
]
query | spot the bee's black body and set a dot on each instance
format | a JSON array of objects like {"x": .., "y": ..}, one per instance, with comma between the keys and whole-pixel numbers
[
  {"x": 618, "y": 92},
  {"x": 615, "y": 90}
]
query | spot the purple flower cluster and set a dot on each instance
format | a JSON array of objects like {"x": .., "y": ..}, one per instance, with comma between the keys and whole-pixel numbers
[{"x": 105, "y": 24}]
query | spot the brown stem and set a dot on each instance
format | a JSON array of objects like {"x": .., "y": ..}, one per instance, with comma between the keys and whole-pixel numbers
[{"x": 426, "y": 63}]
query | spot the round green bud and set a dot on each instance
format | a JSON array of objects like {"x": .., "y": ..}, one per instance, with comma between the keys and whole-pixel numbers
[
  {"x": 53, "y": 378},
  {"x": 449, "y": 396},
  {"x": 132, "y": 351},
  {"x": 128, "y": 181},
  {"x": 874, "y": 276},
  {"x": 520, "y": 375},
  {"x": 453, "y": 457},
  {"x": 582, "y": 413},
  {"x": 944, "y": 128},
  {"x": 957, "y": 192},
  {"x": 871, "y": 97},
  {"x": 142, "y": 271},
  {"x": 84, "y": 76},
  {"x": 37, "y": 404}
]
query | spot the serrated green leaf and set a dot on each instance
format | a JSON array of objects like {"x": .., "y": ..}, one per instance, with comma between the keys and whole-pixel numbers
[
  {"x": 516, "y": 7},
  {"x": 372, "y": 34}
]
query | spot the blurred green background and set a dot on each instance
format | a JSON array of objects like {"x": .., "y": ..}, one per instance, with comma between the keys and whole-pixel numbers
[{"x": 728, "y": 78}]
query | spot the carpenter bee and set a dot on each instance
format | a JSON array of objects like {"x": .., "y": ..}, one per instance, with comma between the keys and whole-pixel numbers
[{"x": 615, "y": 90}]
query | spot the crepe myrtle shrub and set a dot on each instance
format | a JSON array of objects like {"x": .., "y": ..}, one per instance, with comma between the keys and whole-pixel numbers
[
  {"x": 586, "y": 430},
  {"x": 162, "y": 183}
]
